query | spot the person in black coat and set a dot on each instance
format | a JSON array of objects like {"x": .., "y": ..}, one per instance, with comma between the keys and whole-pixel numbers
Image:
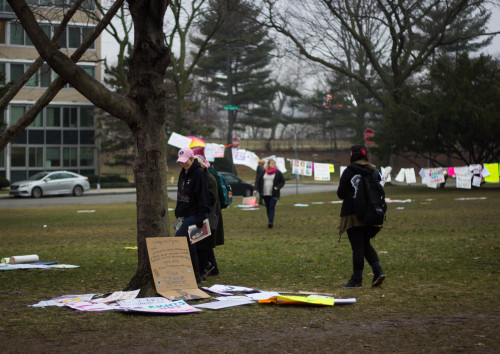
[
  {"x": 359, "y": 233},
  {"x": 269, "y": 183},
  {"x": 260, "y": 170},
  {"x": 193, "y": 200}
]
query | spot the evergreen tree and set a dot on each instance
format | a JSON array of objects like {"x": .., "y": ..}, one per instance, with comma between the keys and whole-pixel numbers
[
  {"x": 460, "y": 116},
  {"x": 235, "y": 71}
]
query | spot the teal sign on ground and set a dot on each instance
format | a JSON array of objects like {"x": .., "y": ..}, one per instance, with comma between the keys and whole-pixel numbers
[{"x": 230, "y": 108}]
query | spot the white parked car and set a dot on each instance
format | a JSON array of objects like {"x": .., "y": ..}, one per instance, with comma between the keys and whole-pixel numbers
[{"x": 50, "y": 183}]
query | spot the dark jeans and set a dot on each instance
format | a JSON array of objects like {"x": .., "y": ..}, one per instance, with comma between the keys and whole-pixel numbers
[
  {"x": 270, "y": 207},
  {"x": 183, "y": 231},
  {"x": 359, "y": 237},
  {"x": 205, "y": 257}
]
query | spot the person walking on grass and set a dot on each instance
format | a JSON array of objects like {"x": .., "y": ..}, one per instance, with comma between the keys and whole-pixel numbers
[
  {"x": 269, "y": 183},
  {"x": 359, "y": 234}
]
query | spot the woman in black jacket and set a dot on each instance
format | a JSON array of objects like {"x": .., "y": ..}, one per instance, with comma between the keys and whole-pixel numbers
[
  {"x": 269, "y": 183},
  {"x": 193, "y": 200},
  {"x": 359, "y": 233}
]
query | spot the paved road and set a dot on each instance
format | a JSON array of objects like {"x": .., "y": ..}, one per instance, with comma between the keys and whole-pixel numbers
[{"x": 127, "y": 195}]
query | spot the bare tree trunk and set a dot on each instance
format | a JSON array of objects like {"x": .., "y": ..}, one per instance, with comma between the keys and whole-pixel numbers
[{"x": 148, "y": 63}]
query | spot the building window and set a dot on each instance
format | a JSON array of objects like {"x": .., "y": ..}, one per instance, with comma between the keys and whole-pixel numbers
[
  {"x": 70, "y": 137},
  {"x": 5, "y": 7},
  {"x": 87, "y": 117},
  {"x": 38, "y": 122},
  {"x": 16, "y": 112},
  {"x": 18, "y": 157},
  {"x": 87, "y": 137},
  {"x": 16, "y": 71},
  {"x": 53, "y": 118},
  {"x": 89, "y": 70},
  {"x": 45, "y": 76},
  {"x": 70, "y": 156},
  {"x": 86, "y": 156},
  {"x": 2, "y": 159},
  {"x": 70, "y": 117},
  {"x": 53, "y": 137},
  {"x": 53, "y": 158},
  {"x": 2, "y": 74},
  {"x": 35, "y": 156},
  {"x": 74, "y": 37},
  {"x": 16, "y": 34},
  {"x": 2, "y": 32},
  {"x": 36, "y": 137},
  {"x": 42, "y": 78},
  {"x": 86, "y": 31}
]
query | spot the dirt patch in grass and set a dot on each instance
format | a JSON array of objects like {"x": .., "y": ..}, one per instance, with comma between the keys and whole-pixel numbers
[{"x": 321, "y": 332}]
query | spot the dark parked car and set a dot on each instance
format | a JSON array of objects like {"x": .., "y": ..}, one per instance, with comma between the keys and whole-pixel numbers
[
  {"x": 50, "y": 183},
  {"x": 238, "y": 186}
]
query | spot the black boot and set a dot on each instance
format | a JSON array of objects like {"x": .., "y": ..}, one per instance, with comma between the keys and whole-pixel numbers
[
  {"x": 378, "y": 275},
  {"x": 352, "y": 283}
]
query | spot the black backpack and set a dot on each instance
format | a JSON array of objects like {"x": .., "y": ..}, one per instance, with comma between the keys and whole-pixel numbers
[{"x": 369, "y": 196}]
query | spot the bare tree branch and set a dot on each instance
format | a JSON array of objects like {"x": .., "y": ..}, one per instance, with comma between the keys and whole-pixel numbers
[{"x": 89, "y": 87}]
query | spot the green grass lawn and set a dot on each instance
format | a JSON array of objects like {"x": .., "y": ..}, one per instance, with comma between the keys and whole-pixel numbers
[{"x": 440, "y": 255}]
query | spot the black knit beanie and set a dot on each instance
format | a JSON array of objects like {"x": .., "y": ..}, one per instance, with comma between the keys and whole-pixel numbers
[{"x": 358, "y": 152}]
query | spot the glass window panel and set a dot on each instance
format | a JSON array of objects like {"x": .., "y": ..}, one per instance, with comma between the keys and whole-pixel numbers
[
  {"x": 87, "y": 117},
  {"x": 53, "y": 117},
  {"x": 53, "y": 137},
  {"x": 70, "y": 137},
  {"x": 16, "y": 34},
  {"x": 2, "y": 159},
  {"x": 86, "y": 31},
  {"x": 53, "y": 158},
  {"x": 74, "y": 35},
  {"x": 86, "y": 156},
  {"x": 18, "y": 157},
  {"x": 46, "y": 29},
  {"x": 38, "y": 122},
  {"x": 2, "y": 74},
  {"x": 33, "y": 80},
  {"x": 16, "y": 71},
  {"x": 45, "y": 76},
  {"x": 2, "y": 31},
  {"x": 16, "y": 112},
  {"x": 21, "y": 138},
  {"x": 62, "y": 39},
  {"x": 89, "y": 70},
  {"x": 88, "y": 5},
  {"x": 36, "y": 137},
  {"x": 70, "y": 117},
  {"x": 35, "y": 156},
  {"x": 87, "y": 137},
  {"x": 28, "y": 40},
  {"x": 70, "y": 157}
]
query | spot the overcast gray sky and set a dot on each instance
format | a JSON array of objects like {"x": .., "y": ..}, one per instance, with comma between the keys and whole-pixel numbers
[{"x": 109, "y": 46}]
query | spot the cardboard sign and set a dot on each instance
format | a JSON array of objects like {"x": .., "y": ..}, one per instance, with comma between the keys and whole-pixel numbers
[{"x": 172, "y": 269}]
